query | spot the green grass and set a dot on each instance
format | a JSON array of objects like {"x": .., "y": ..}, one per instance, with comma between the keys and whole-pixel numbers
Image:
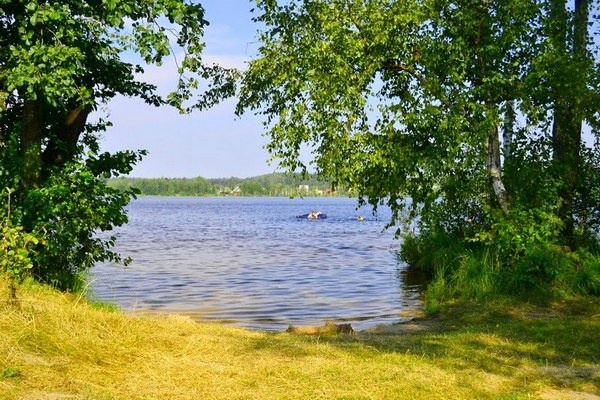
[{"x": 54, "y": 345}]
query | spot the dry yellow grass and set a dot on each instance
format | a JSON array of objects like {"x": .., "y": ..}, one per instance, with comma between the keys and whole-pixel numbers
[{"x": 57, "y": 346}]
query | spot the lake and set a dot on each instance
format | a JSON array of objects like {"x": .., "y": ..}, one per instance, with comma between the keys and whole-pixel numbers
[{"x": 252, "y": 263}]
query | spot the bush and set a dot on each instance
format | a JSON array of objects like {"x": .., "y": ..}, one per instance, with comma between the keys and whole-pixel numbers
[
  {"x": 15, "y": 251},
  {"x": 16, "y": 248},
  {"x": 71, "y": 207},
  {"x": 52, "y": 229},
  {"x": 466, "y": 269}
]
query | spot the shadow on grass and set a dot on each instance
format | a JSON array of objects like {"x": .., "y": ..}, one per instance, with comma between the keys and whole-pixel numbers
[{"x": 558, "y": 345}]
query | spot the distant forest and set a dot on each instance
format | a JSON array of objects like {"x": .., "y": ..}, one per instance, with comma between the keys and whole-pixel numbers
[{"x": 276, "y": 184}]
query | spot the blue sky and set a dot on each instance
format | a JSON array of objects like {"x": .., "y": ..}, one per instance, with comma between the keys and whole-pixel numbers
[{"x": 211, "y": 143}]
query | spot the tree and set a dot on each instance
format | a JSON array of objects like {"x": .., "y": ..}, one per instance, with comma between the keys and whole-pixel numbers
[
  {"x": 60, "y": 60},
  {"x": 570, "y": 72},
  {"x": 406, "y": 101}
]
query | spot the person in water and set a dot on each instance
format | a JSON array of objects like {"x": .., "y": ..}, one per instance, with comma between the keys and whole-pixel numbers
[{"x": 314, "y": 214}]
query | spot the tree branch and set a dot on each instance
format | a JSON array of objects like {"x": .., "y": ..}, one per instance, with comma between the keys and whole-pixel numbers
[
  {"x": 62, "y": 145},
  {"x": 394, "y": 66}
]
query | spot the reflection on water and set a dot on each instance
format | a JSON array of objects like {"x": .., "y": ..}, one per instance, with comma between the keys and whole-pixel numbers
[
  {"x": 251, "y": 262},
  {"x": 414, "y": 279}
]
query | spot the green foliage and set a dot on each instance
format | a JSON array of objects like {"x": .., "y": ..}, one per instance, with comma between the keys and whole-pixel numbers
[
  {"x": 277, "y": 184},
  {"x": 59, "y": 62},
  {"x": 165, "y": 186},
  {"x": 521, "y": 230},
  {"x": 465, "y": 118},
  {"x": 10, "y": 372},
  {"x": 16, "y": 249},
  {"x": 71, "y": 207},
  {"x": 474, "y": 270},
  {"x": 586, "y": 203},
  {"x": 460, "y": 269},
  {"x": 551, "y": 270},
  {"x": 60, "y": 50},
  {"x": 68, "y": 210}
]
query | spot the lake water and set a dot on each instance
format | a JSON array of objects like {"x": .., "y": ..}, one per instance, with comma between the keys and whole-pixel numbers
[{"x": 252, "y": 263}]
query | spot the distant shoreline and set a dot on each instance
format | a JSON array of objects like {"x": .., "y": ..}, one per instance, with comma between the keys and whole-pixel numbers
[{"x": 271, "y": 185}]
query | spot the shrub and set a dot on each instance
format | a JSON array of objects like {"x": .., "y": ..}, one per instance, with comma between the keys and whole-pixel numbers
[
  {"x": 525, "y": 265},
  {"x": 16, "y": 247},
  {"x": 72, "y": 207}
]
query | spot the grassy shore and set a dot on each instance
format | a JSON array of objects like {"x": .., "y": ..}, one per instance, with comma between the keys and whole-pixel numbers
[{"x": 58, "y": 346}]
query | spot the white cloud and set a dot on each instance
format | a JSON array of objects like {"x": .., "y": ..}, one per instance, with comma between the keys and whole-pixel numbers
[
  {"x": 212, "y": 143},
  {"x": 227, "y": 60}
]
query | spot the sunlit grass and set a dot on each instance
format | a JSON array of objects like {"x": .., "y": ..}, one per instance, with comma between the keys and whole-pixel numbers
[{"x": 55, "y": 345}]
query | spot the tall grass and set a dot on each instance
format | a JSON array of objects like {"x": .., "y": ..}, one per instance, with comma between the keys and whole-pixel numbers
[
  {"x": 56, "y": 346},
  {"x": 463, "y": 270}
]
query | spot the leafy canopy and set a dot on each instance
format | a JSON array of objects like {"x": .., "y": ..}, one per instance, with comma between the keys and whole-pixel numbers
[
  {"x": 464, "y": 116},
  {"x": 59, "y": 62}
]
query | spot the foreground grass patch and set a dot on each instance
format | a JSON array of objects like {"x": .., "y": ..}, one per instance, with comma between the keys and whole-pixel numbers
[{"x": 53, "y": 345}]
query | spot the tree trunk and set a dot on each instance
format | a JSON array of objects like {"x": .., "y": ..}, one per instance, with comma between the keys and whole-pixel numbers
[
  {"x": 494, "y": 169},
  {"x": 62, "y": 146},
  {"x": 31, "y": 143},
  {"x": 493, "y": 161},
  {"x": 568, "y": 114},
  {"x": 508, "y": 129}
]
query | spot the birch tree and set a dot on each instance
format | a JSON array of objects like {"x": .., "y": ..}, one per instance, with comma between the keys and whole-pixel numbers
[{"x": 465, "y": 113}]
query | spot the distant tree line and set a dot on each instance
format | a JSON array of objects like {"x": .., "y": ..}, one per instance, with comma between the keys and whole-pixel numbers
[{"x": 276, "y": 184}]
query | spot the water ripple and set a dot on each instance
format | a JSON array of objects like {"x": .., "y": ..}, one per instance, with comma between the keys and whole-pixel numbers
[{"x": 250, "y": 262}]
